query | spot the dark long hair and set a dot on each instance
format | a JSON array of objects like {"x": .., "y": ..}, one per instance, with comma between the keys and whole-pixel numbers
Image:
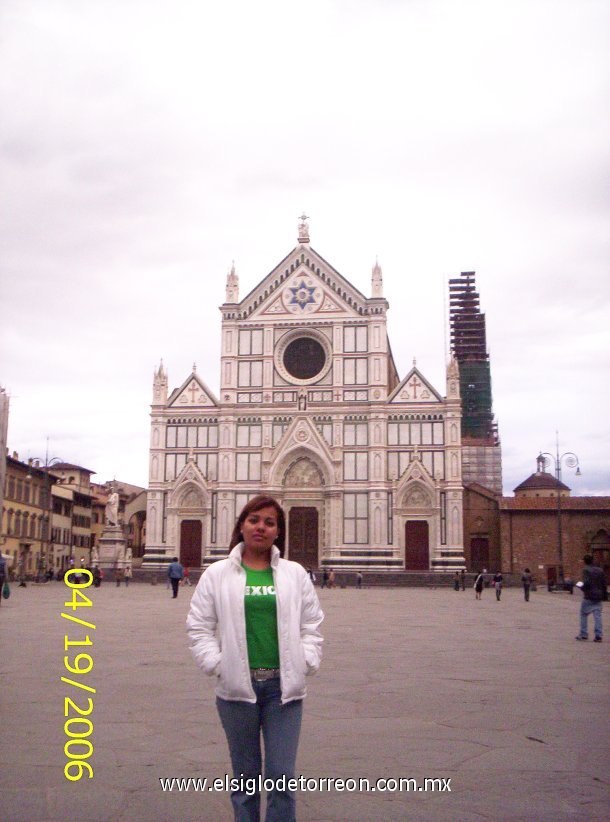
[{"x": 256, "y": 504}]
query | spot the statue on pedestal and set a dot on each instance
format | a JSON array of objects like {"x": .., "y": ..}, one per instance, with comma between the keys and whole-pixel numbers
[{"x": 112, "y": 509}]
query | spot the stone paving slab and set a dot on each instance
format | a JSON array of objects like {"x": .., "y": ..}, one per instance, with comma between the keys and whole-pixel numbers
[{"x": 415, "y": 683}]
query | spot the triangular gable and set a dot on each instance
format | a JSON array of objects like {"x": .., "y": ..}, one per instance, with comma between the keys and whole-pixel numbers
[
  {"x": 302, "y": 296},
  {"x": 415, "y": 472},
  {"x": 414, "y": 390},
  {"x": 193, "y": 393},
  {"x": 301, "y": 436},
  {"x": 190, "y": 488},
  {"x": 302, "y": 285}
]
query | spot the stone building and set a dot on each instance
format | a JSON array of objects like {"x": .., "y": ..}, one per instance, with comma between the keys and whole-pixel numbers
[
  {"x": 311, "y": 409},
  {"x": 25, "y": 518},
  {"x": 547, "y": 530}
]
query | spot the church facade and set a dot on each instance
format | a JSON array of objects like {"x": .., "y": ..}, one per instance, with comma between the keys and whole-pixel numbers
[{"x": 311, "y": 410}]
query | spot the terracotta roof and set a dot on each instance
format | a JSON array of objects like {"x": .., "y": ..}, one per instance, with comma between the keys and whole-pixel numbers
[
  {"x": 550, "y": 504},
  {"x": 68, "y": 466},
  {"x": 541, "y": 479}
]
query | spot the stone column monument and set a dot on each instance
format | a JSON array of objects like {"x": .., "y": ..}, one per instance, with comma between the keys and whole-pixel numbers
[{"x": 112, "y": 549}]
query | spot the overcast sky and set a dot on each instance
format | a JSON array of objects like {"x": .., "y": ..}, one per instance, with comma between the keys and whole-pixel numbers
[{"x": 145, "y": 145}]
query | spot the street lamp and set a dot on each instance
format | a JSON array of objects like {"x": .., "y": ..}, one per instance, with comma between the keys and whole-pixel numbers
[
  {"x": 571, "y": 461},
  {"x": 48, "y": 504}
]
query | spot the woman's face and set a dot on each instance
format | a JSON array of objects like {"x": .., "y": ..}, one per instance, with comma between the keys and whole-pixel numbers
[{"x": 260, "y": 529}]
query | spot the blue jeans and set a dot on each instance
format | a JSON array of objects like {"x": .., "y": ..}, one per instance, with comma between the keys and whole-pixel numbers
[
  {"x": 588, "y": 607},
  {"x": 281, "y": 725}
]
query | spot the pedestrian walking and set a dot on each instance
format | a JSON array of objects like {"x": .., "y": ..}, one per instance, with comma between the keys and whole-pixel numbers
[
  {"x": 456, "y": 581},
  {"x": 498, "y": 583},
  {"x": 175, "y": 572},
  {"x": 331, "y": 578},
  {"x": 119, "y": 575},
  {"x": 478, "y": 585},
  {"x": 128, "y": 573},
  {"x": 97, "y": 577},
  {"x": 463, "y": 579},
  {"x": 594, "y": 592},
  {"x": 254, "y": 625},
  {"x": 185, "y": 579},
  {"x": 325, "y": 578},
  {"x": 359, "y": 579},
  {"x": 526, "y": 581}
]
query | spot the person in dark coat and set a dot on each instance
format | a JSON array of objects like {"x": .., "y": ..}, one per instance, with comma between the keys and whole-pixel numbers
[
  {"x": 526, "y": 581},
  {"x": 175, "y": 572},
  {"x": 595, "y": 591}
]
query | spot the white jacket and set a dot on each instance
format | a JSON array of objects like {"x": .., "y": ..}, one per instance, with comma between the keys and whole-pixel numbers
[{"x": 216, "y": 625}]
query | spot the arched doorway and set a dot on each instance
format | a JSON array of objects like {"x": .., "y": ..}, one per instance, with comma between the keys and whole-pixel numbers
[
  {"x": 417, "y": 545},
  {"x": 190, "y": 543},
  {"x": 599, "y": 547},
  {"x": 303, "y": 482},
  {"x": 303, "y": 536}
]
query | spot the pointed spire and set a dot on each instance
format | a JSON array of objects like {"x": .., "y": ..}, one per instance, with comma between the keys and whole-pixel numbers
[
  {"x": 303, "y": 229},
  {"x": 232, "y": 295},
  {"x": 377, "y": 280},
  {"x": 160, "y": 384}
]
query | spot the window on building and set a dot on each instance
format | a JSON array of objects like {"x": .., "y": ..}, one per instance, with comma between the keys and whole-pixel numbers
[
  {"x": 397, "y": 464},
  {"x": 355, "y": 519},
  {"x": 280, "y": 424},
  {"x": 325, "y": 427},
  {"x": 11, "y": 488},
  {"x": 208, "y": 465},
  {"x": 241, "y": 498},
  {"x": 250, "y": 373},
  {"x": 174, "y": 463},
  {"x": 249, "y": 436},
  {"x": 208, "y": 436},
  {"x": 355, "y": 433},
  {"x": 248, "y": 466},
  {"x": 355, "y": 371},
  {"x": 355, "y": 338},
  {"x": 355, "y": 465},
  {"x": 251, "y": 342},
  {"x": 390, "y": 518},
  {"x": 19, "y": 490}
]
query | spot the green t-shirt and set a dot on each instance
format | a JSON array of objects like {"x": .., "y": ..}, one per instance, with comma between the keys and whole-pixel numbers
[{"x": 261, "y": 619}]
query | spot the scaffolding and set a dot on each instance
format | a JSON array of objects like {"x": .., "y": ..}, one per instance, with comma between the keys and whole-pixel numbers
[{"x": 469, "y": 347}]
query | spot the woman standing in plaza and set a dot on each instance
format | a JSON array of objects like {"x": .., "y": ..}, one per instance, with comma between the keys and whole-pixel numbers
[
  {"x": 254, "y": 624},
  {"x": 478, "y": 585}
]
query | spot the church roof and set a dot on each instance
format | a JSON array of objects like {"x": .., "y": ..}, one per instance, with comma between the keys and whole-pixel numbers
[
  {"x": 550, "y": 504},
  {"x": 541, "y": 480}
]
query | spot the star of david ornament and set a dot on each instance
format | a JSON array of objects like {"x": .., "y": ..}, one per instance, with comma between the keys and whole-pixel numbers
[{"x": 302, "y": 294}]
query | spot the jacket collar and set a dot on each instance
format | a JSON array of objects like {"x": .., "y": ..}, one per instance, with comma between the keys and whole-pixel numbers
[{"x": 235, "y": 555}]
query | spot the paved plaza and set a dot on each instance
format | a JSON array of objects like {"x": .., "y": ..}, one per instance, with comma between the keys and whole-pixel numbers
[{"x": 415, "y": 683}]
